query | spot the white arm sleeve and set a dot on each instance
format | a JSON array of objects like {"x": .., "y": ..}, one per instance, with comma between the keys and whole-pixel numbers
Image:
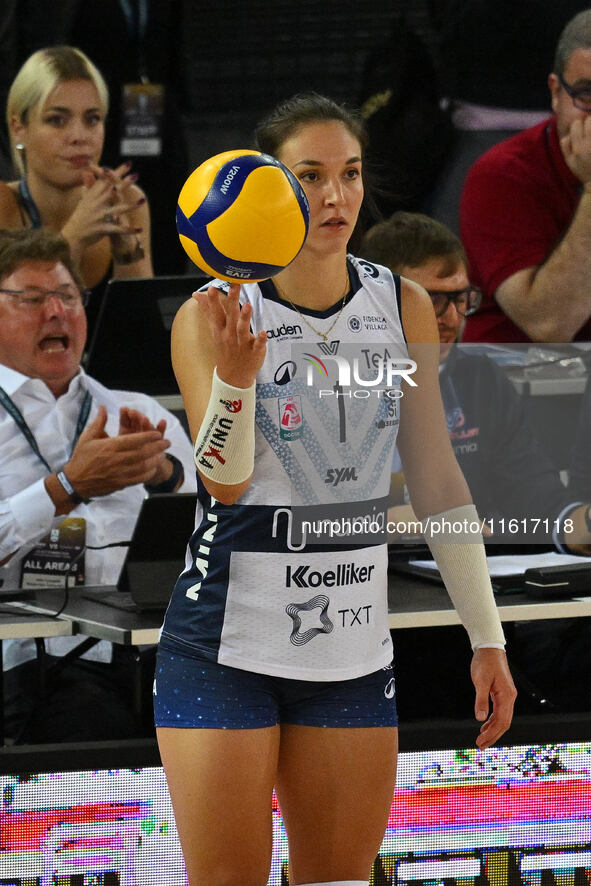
[
  {"x": 224, "y": 448},
  {"x": 455, "y": 540}
]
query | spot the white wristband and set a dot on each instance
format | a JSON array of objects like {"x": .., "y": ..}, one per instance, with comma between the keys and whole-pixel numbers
[
  {"x": 456, "y": 544},
  {"x": 224, "y": 448}
]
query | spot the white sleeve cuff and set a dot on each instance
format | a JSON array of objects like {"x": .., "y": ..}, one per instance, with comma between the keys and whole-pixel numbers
[{"x": 33, "y": 512}]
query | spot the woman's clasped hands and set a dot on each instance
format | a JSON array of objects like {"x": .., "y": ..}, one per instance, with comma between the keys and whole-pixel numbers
[{"x": 108, "y": 197}]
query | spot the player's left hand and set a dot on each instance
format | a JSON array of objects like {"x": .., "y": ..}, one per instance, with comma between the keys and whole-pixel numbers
[{"x": 493, "y": 681}]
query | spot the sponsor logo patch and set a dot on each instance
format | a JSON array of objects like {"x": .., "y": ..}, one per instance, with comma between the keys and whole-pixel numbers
[
  {"x": 290, "y": 418},
  {"x": 295, "y": 610}
]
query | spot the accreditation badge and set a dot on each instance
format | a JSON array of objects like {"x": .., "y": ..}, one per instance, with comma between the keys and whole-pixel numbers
[
  {"x": 57, "y": 561},
  {"x": 142, "y": 116}
]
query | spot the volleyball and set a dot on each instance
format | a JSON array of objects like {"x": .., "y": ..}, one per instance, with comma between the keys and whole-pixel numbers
[{"x": 242, "y": 215}]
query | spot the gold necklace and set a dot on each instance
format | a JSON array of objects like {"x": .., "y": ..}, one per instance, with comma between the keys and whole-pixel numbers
[{"x": 323, "y": 335}]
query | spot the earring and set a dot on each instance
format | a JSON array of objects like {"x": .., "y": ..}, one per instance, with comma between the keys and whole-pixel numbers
[{"x": 20, "y": 146}]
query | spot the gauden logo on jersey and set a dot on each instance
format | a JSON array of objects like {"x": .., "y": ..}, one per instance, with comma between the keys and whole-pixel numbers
[
  {"x": 285, "y": 331},
  {"x": 354, "y": 323},
  {"x": 290, "y": 418}
]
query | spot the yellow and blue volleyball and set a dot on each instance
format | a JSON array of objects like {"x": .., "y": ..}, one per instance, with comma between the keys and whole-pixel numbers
[{"x": 242, "y": 215}]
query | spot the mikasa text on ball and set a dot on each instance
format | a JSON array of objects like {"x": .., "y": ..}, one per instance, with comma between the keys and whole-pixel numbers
[{"x": 242, "y": 215}]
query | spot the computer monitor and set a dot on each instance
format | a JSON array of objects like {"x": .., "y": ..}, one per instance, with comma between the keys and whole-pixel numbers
[
  {"x": 130, "y": 347},
  {"x": 156, "y": 554}
]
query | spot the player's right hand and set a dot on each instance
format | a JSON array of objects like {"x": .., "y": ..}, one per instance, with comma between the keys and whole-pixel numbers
[{"x": 239, "y": 353}]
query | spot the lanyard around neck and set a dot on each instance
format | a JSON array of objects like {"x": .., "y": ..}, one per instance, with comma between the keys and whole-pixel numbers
[
  {"x": 29, "y": 203},
  {"x": 136, "y": 19},
  {"x": 26, "y": 431}
]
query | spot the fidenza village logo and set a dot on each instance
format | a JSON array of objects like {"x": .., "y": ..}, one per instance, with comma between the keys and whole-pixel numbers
[{"x": 388, "y": 372}]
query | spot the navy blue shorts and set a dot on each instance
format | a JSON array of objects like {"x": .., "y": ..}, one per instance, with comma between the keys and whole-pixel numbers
[{"x": 194, "y": 693}]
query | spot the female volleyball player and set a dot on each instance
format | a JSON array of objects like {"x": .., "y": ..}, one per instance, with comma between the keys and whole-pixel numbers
[
  {"x": 56, "y": 114},
  {"x": 274, "y": 667}
]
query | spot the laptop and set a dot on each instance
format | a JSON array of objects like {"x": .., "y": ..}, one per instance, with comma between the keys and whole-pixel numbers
[
  {"x": 130, "y": 346},
  {"x": 400, "y": 552},
  {"x": 155, "y": 557}
]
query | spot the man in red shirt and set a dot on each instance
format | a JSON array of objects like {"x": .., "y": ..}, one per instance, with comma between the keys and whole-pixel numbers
[{"x": 526, "y": 214}]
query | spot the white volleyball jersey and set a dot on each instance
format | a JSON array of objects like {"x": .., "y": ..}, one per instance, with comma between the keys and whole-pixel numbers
[{"x": 292, "y": 579}]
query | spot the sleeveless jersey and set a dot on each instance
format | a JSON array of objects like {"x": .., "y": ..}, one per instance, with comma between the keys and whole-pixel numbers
[{"x": 284, "y": 582}]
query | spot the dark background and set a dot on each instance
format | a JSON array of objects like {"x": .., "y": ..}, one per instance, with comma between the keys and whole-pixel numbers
[{"x": 225, "y": 64}]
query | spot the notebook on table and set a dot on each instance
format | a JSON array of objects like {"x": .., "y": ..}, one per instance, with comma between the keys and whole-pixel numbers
[
  {"x": 502, "y": 582},
  {"x": 509, "y": 572},
  {"x": 156, "y": 554},
  {"x": 130, "y": 347}
]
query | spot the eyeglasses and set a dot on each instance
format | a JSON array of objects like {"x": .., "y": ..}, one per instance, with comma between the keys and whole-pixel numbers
[
  {"x": 580, "y": 96},
  {"x": 466, "y": 301},
  {"x": 33, "y": 298}
]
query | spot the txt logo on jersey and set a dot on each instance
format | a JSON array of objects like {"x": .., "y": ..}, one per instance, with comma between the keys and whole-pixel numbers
[{"x": 300, "y": 637}]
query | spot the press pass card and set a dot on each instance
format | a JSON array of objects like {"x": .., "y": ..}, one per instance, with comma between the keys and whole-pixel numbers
[
  {"x": 57, "y": 561},
  {"x": 141, "y": 120}
]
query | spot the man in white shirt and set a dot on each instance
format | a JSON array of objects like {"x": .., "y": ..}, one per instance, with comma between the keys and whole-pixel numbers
[{"x": 76, "y": 459}]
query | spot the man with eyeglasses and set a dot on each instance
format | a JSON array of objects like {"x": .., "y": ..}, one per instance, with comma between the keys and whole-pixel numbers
[
  {"x": 508, "y": 473},
  {"x": 506, "y": 470},
  {"x": 526, "y": 214},
  {"x": 76, "y": 461}
]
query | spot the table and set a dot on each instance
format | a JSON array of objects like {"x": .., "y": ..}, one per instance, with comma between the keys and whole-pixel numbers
[
  {"x": 16, "y": 625},
  {"x": 418, "y": 602},
  {"x": 100, "y": 622},
  {"x": 412, "y": 602},
  {"x": 97, "y": 620}
]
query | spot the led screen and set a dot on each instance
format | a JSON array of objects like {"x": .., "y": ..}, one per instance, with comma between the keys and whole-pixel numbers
[{"x": 516, "y": 816}]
